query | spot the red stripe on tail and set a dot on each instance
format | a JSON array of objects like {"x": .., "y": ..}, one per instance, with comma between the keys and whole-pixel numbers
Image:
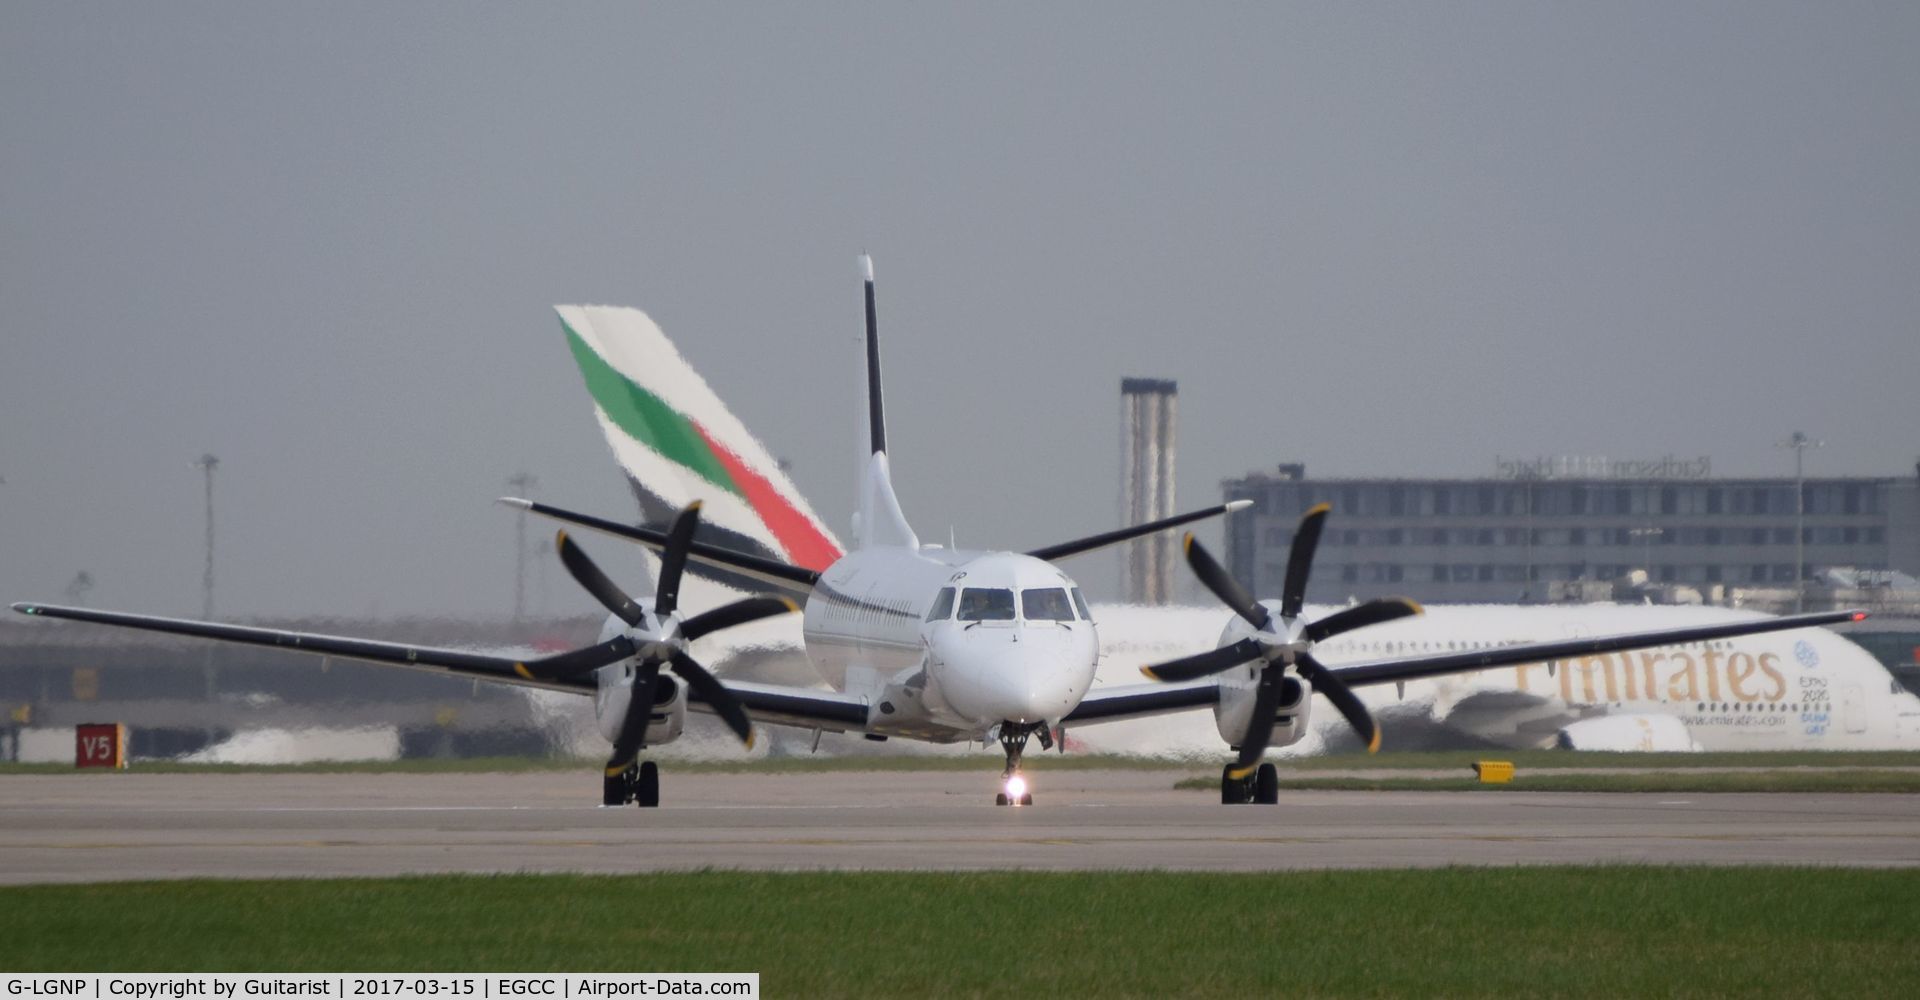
[{"x": 804, "y": 544}]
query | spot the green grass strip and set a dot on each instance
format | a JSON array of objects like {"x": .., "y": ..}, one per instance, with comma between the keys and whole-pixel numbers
[
  {"x": 1534, "y": 932},
  {"x": 1836, "y": 780}
]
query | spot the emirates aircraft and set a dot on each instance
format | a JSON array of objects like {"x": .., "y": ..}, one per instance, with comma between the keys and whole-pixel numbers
[{"x": 912, "y": 640}]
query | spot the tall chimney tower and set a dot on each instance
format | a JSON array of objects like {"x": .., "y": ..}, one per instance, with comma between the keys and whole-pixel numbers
[{"x": 1147, "y": 411}]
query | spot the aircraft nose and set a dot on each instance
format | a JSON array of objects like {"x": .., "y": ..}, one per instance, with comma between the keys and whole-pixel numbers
[{"x": 998, "y": 678}]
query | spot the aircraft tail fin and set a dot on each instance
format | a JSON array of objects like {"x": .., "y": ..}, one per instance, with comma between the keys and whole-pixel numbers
[
  {"x": 879, "y": 520},
  {"x": 678, "y": 442}
]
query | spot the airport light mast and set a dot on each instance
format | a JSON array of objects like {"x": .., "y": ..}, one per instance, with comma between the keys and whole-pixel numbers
[
  {"x": 1799, "y": 442},
  {"x": 207, "y": 463}
]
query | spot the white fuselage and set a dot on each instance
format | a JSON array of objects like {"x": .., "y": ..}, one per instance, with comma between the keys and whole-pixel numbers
[
  {"x": 948, "y": 644},
  {"x": 1803, "y": 689}
]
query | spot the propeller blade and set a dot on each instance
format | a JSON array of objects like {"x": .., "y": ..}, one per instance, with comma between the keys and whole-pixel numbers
[
  {"x": 1253, "y": 746},
  {"x": 1306, "y": 539},
  {"x": 596, "y": 583},
  {"x": 563, "y": 666},
  {"x": 1201, "y": 664},
  {"x": 633, "y": 728},
  {"x": 1342, "y": 697},
  {"x": 673, "y": 559},
  {"x": 1225, "y": 587},
  {"x": 738, "y": 613},
  {"x": 1385, "y": 609},
  {"x": 715, "y": 694}
]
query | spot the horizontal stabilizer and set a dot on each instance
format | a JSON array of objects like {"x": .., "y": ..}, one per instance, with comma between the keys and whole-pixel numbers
[
  {"x": 784, "y": 577},
  {"x": 1101, "y": 541}
]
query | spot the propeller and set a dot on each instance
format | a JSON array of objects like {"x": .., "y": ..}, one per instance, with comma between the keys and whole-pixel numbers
[
  {"x": 1281, "y": 640},
  {"x": 657, "y": 639}
]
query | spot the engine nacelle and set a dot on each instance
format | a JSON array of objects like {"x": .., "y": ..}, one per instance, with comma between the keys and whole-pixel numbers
[
  {"x": 610, "y": 702},
  {"x": 1234, "y": 712},
  {"x": 1622, "y": 733}
]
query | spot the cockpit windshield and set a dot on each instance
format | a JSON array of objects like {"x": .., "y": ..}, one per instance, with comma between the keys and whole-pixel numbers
[
  {"x": 1046, "y": 604},
  {"x": 991, "y": 604}
]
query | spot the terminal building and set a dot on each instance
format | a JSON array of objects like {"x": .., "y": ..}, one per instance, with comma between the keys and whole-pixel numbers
[{"x": 1583, "y": 529}]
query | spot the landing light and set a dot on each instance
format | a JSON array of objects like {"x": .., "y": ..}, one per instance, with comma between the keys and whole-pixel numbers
[{"x": 1016, "y": 788}]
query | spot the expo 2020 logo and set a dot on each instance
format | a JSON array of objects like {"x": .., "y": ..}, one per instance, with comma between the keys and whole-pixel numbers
[{"x": 1803, "y": 651}]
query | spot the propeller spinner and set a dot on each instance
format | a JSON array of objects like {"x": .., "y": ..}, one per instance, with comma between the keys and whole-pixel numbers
[{"x": 1281, "y": 640}]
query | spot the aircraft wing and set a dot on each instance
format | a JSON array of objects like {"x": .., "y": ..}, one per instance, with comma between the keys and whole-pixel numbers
[
  {"x": 1135, "y": 701},
  {"x": 427, "y": 658},
  {"x": 771, "y": 703},
  {"x": 807, "y": 708},
  {"x": 1417, "y": 667}
]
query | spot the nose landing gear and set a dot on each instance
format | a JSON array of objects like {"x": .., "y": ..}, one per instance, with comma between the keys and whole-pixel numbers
[{"x": 1013, "y": 740}]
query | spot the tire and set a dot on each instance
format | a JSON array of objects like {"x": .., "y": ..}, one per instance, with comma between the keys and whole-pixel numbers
[
  {"x": 1027, "y": 799},
  {"x": 1266, "y": 785},
  {"x": 1232, "y": 792},
  {"x": 647, "y": 789},
  {"x": 616, "y": 789},
  {"x": 1000, "y": 798}
]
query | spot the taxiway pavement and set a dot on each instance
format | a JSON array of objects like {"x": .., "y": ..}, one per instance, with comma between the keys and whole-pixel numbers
[{"x": 100, "y": 827}]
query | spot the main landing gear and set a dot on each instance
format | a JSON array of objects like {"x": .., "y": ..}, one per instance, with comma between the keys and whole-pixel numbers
[
  {"x": 638, "y": 784},
  {"x": 1013, "y": 740},
  {"x": 1262, "y": 787}
]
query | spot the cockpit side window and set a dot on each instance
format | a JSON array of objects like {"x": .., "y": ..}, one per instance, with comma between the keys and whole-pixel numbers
[
  {"x": 991, "y": 604},
  {"x": 942, "y": 605},
  {"x": 1080, "y": 601},
  {"x": 1046, "y": 604}
]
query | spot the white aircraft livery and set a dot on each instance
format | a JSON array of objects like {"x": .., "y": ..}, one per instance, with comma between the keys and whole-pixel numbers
[
  {"x": 1806, "y": 689},
  {"x": 919, "y": 641}
]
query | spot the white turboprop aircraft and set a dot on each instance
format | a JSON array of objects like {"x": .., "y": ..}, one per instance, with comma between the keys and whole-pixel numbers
[
  {"x": 918, "y": 640},
  {"x": 1801, "y": 689}
]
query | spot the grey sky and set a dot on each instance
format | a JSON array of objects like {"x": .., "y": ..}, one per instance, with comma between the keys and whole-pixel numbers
[{"x": 322, "y": 241}]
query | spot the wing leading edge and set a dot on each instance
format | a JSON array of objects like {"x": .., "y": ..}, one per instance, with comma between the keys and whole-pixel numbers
[{"x": 770, "y": 703}]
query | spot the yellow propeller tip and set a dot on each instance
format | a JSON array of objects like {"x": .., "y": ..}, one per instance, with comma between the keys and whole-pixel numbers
[
  {"x": 1186, "y": 543},
  {"x": 521, "y": 669},
  {"x": 1319, "y": 508},
  {"x": 614, "y": 772},
  {"x": 1240, "y": 773},
  {"x": 560, "y": 537},
  {"x": 1373, "y": 745},
  {"x": 694, "y": 505},
  {"x": 751, "y": 737},
  {"x": 791, "y": 606},
  {"x": 1148, "y": 671}
]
